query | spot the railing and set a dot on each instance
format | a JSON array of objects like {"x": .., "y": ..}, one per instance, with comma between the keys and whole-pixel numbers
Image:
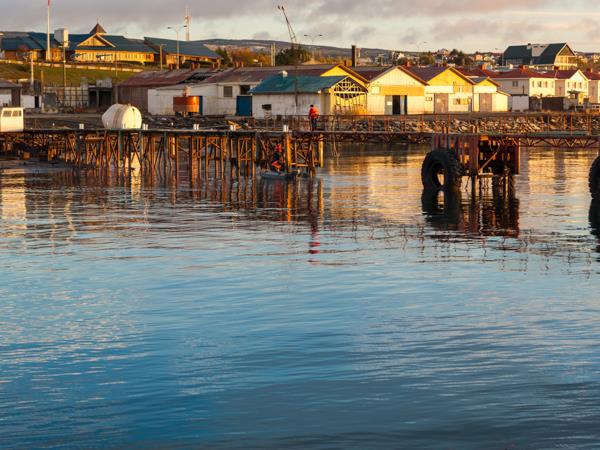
[{"x": 504, "y": 123}]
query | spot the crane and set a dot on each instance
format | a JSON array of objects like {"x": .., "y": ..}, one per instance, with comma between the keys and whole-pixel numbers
[
  {"x": 295, "y": 52},
  {"x": 293, "y": 38}
]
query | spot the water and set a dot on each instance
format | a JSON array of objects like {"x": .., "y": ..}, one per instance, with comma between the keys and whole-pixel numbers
[{"x": 351, "y": 311}]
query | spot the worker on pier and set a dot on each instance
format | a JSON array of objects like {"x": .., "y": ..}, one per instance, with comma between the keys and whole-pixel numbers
[
  {"x": 278, "y": 161},
  {"x": 313, "y": 115}
]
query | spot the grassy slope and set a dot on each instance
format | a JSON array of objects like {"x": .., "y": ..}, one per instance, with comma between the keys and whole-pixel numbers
[{"x": 54, "y": 75}]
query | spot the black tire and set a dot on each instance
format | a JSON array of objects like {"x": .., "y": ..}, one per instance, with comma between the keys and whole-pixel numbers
[
  {"x": 436, "y": 163},
  {"x": 442, "y": 208},
  {"x": 595, "y": 179}
]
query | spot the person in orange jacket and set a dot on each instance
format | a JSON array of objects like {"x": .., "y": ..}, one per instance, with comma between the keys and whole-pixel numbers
[
  {"x": 278, "y": 161},
  {"x": 313, "y": 115}
]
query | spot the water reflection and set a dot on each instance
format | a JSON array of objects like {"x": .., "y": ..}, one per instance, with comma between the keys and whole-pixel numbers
[
  {"x": 595, "y": 221},
  {"x": 495, "y": 214}
]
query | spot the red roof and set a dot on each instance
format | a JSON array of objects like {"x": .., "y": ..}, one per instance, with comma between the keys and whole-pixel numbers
[
  {"x": 563, "y": 74},
  {"x": 477, "y": 72},
  {"x": 521, "y": 73},
  {"x": 591, "y": 75}
]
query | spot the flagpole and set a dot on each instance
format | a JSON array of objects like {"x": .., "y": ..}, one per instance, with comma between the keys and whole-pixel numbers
[{"x": 48, "y": 54}]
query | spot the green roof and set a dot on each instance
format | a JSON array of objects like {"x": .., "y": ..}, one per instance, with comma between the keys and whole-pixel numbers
[{"x": 290, "y": 84}]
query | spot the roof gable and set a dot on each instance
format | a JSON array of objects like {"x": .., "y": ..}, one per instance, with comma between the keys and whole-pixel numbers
[{"x": 551, "y": 52}]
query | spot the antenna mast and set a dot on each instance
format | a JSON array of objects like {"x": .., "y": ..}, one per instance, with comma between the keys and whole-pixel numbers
[{"x": 188, "y": 23}]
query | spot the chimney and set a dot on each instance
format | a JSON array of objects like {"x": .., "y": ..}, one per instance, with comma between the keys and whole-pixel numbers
[
  {"x": 408, "y": 63},
  {"x": 354, "y": 56}
]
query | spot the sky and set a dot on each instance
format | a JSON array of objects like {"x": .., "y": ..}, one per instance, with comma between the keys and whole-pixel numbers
[{"x": 470, "y": 25}]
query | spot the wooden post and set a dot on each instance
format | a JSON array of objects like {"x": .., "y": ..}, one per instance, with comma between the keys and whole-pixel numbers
[{"x": 287, "y": 145}]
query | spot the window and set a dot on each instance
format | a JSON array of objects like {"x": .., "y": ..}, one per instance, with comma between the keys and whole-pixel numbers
[
  {"x": 16, "y": 113},
  {"x": 244, "y": 89},
  {"x": 461, "y": 101},
  {"x": 6, "y": 113},
  {"x": 428, "y": 99},
  {"x": 539, "y": 84},
  {"x": 267, "y": 107},
  {"x": 515, "y": 84},
  {"x": 228, "y": 91}
]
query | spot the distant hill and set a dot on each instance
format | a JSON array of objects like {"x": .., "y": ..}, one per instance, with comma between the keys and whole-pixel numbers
[{"x": 265, "y": 45}]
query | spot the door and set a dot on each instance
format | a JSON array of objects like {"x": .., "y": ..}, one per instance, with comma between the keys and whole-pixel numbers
[
  {"x": 440, "y": 103},
  {"x": 398, "y": 104},
  {"x": 485, "y": 103},
  {"x": 200, "y": 105},
  {"x": 244, "y": 106}
]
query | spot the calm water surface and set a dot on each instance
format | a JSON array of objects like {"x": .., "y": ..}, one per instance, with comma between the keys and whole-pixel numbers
[{"x": 352, "y": 311}]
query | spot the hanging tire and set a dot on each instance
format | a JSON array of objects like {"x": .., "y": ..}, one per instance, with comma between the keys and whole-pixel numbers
[
  {"x": 595, "y": 179},
  {"x": 441, "y": 170}
]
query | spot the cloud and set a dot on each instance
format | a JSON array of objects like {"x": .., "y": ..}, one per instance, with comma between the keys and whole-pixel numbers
[{"x": 393, "y": 24}]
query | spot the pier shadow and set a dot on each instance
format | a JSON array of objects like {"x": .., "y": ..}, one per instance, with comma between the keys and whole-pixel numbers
[
  {"x": 594, "y": 216},
  {"x": 495, "y": 213}
]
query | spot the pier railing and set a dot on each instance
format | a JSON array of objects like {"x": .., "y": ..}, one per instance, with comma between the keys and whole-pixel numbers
[{"x": 488, "y": 123}]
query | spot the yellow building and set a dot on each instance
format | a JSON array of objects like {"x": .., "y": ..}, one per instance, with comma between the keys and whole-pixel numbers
[{"x": 447, "y": 89}]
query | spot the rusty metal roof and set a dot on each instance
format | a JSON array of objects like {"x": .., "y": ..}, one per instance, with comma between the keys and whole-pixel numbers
[
  {"x": 157, "y": 78},
  {"x": 4, "y": 84}
]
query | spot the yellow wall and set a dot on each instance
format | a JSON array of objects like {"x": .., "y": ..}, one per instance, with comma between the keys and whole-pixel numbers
[
  {"x": 451, "y": 78},
  {"x": 340, "y": 72}
]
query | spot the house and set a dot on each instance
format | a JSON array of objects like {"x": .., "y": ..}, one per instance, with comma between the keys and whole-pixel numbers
[
  {"x": 447, "y": 89},
  {"x": 393, "y": 90},
  {"x": 291, "y": 94},
  {"x": 522, "y": 84},
  {"x": 593, "y": 86},
  {"x": 195, "y": 52},
  {"x": 228, "y": 93},
  {"x": 487, "y": 96},
  {"x": 10, "y": 94},
  {"x": 135, "y": 90},
  {"x": 541, "y": 56},
  {"x": 95, "y": 46},
  {"x": 572, "y": 84}
]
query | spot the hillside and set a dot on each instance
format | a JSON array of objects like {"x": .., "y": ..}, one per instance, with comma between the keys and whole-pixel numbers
[
  {"x": 265, "y": 45},
  {"x": 54, "y": 75}
]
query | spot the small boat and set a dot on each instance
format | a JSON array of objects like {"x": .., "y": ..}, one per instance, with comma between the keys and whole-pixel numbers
[{"x": 283, "y": 176}]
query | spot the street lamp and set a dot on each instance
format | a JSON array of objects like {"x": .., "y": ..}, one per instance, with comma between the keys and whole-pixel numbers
[
  {"x": 418, "y": 44},
  {"x": 313, "y": 38},
  {"x": 177, "y": 30}
]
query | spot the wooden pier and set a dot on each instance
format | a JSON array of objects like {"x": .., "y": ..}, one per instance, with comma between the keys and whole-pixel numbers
[{"x": 474, "y": 152}]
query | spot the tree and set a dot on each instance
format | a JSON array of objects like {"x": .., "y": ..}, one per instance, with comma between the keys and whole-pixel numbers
[
  {"x": 223, "y": 53},
  {"x": 426, "y": 59},
  {"x": 292, "y": 56}
]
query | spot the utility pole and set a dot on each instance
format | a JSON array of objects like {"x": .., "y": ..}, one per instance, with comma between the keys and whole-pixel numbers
[
  {"x": 31, "y": 75},
  {"x": 188, "y": 23},
  {"x": 160, "y": 52},
  {"x": 177, "y": 30},
  {"x": 48, "y": 49},
  {"x": 64, "y": 49},
  {"x": 313, "y": 38}
]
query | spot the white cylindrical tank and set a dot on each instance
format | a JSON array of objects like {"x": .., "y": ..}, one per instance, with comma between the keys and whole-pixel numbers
[{"x": 122, "y": 117}]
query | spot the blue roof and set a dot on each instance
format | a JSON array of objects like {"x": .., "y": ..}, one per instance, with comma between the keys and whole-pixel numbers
[
  {"x": 193, "y": 48},
  {"x": 290, "y": 84},
  {"x": 37, "y": 41}
]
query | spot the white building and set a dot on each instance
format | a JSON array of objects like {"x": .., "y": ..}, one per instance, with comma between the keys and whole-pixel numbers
[
  {"x": 593, "y": 86},
  {"x": 522, "y": 84},
  {"x": 571, "y": 84},
  {"x": 288, "y": 95}
]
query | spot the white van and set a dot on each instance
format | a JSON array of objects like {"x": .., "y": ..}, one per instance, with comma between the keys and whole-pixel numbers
[{"x": 11, "y": 120}]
